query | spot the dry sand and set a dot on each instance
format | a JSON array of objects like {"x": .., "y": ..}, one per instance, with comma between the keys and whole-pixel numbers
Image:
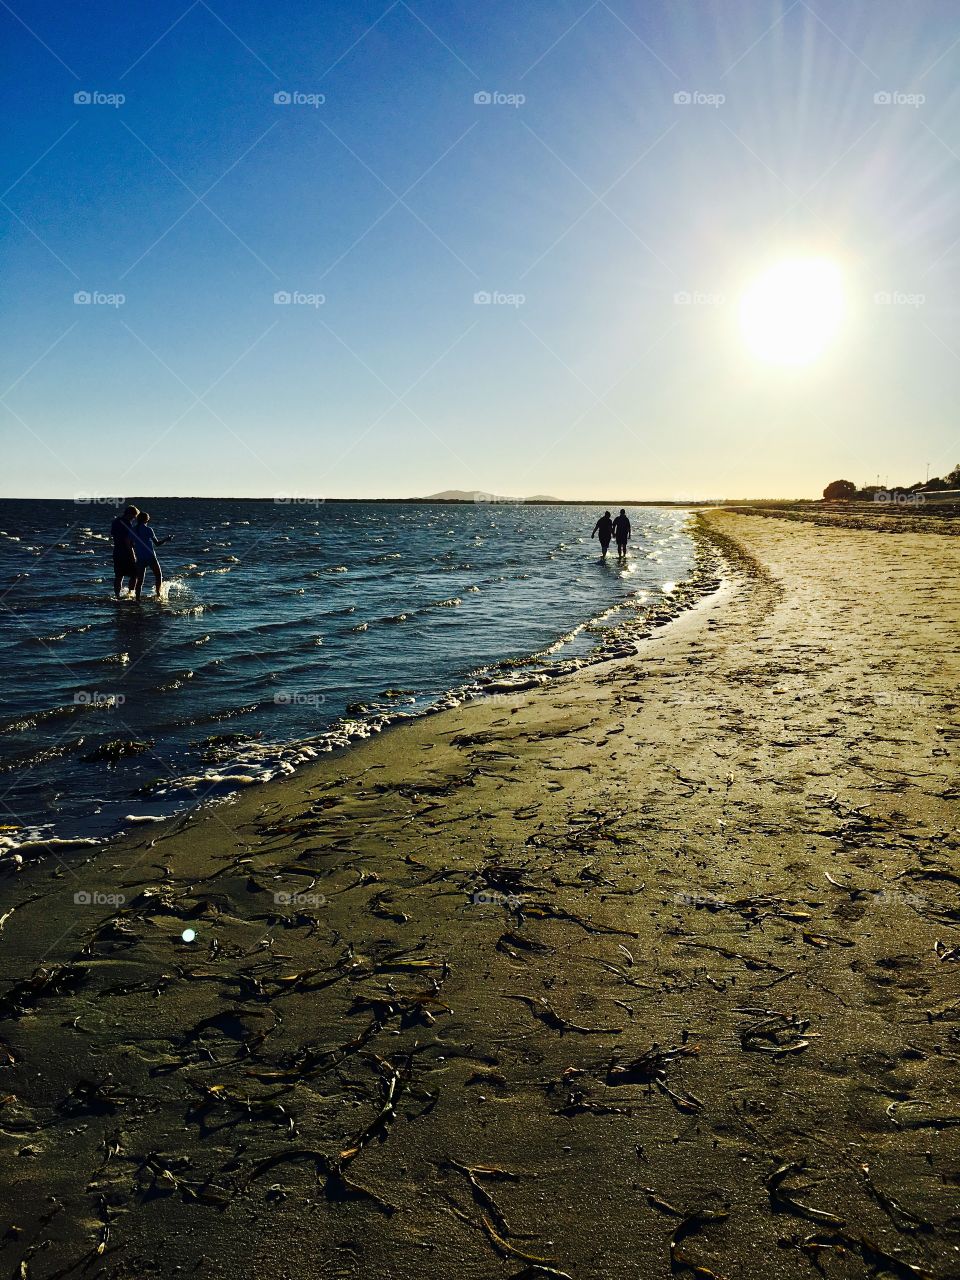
[{"x": 651, "y": 971}]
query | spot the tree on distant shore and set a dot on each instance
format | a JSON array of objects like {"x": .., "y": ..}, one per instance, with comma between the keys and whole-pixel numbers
[
  {"x": 953, "y": 477},
  {"x": 839, "y": 490}
]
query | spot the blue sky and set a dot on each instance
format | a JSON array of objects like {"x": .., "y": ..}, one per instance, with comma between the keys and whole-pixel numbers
[{"x": 585, "y": 210}]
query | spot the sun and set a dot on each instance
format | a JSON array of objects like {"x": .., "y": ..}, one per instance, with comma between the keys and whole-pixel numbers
[{"x": 794, "y": 311}]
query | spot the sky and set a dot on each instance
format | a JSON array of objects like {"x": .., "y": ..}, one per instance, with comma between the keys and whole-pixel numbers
[{"x": 380, "y": 249}]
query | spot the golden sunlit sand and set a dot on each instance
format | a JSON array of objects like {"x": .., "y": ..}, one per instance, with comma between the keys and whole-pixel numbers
[{"x": 672, "y": 942}]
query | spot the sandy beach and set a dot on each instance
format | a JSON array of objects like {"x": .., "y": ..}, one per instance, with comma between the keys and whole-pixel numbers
[{"x": 650, "y": 971}]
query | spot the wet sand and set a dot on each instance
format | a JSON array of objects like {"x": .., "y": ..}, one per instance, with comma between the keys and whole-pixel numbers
[{"x": 651, "y": 971}]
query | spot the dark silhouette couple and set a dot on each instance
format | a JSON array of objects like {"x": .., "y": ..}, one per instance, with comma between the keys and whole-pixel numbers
[
  {"x": 134, "y": 551},
  {"x": 607, "y": 529}
]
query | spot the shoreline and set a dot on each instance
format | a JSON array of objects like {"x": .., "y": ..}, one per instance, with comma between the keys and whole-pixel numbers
[
  {"x": 647, "y": 940},
  {"x": 222, "y": 780}
]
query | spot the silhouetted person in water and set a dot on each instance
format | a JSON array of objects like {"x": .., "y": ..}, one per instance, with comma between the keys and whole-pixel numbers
[
  {"x": 621, "y": 530},
  {"x": 146, "y": 541},
  {"x": 604, "y": 527},
  {"x": 124, "y": 555}
]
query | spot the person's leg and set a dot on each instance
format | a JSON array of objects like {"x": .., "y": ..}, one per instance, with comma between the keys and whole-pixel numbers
[
  {"x": 157, "y": 575},
  {"x": 604, "y": 545},
  {"x": 138, "y": 579}
]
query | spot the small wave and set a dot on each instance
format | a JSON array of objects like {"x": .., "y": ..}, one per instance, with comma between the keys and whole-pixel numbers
[{"x": 177, "y": 683}]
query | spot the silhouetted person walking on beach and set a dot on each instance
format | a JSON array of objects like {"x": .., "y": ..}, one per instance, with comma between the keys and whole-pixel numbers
[
  {"x": 604, "y": 527},
  {"x": 146, "y": 541},
  {"x": 621, "y": 530},
  {"x": 124, "y": 556}
]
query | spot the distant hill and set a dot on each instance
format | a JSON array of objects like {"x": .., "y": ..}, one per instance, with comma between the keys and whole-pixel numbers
[{"x": 480, "y": 495}]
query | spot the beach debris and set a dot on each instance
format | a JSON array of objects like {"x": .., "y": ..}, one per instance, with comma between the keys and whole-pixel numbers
[
  {"x": 752, "y": 962},
  {"x": 650, "y": 1068},
  {"x": 824, "y": 939},
  {"x": 782, "y": 1198},
  {"x": 393, "y": 1078},
  {"x": 943, "y": 952},
  {"x": 915, "y": 1113},
  {"x": 868, "y": 1250},
  {"x": 774, "y": 1032},
  {"x": 901, "y": 1217},
  {"x": 505, "y": 1247},
  {"x": 538, "y": 1269},
  {"x": 416, "y": 1007},
  {"x": 690, "y": 1225},
  {"x": 544, "y": 910},
  {"x": 473, "y": 1175},
  {"x": 46, "y": 981},
  {"x": 542, "y": 1009}
]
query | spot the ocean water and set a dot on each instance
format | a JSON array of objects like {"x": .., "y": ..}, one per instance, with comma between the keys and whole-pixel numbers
[{"x": 285, "y": 629}]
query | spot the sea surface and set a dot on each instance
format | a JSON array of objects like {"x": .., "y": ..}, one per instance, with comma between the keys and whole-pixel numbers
[{"x": 286, "y": 628}]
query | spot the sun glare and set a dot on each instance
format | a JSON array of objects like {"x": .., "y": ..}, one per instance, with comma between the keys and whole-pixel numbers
[{"x": 792, "y": 313}]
